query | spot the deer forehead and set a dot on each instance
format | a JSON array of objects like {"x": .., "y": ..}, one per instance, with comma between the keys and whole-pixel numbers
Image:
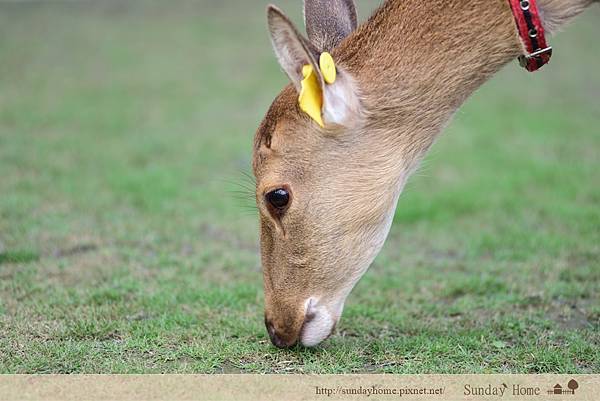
[{"x": 288, "y": 145}]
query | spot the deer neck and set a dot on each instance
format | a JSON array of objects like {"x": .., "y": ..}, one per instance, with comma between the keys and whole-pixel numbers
[{"x": 417, "y": 61}]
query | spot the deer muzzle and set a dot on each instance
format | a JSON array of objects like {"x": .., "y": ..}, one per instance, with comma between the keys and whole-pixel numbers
[{"x": 315, "y": 324}]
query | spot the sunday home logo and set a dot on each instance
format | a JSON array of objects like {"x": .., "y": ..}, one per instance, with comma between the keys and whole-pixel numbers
[{"x": 518, "y": 390}]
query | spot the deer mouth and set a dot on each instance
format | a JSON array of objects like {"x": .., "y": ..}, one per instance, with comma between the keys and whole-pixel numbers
[{"x": 318, "y": 325}]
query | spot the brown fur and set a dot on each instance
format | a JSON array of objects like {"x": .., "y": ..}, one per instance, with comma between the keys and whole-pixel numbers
[
  {"x": 414, "y": 63},
  {"x": 327, "y": 29}
]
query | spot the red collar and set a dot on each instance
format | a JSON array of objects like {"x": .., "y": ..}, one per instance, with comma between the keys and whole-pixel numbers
[{"x": 531, "y": 32}]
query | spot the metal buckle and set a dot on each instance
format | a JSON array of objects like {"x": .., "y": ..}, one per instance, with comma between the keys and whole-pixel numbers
[{"x": 524, "y": 58}]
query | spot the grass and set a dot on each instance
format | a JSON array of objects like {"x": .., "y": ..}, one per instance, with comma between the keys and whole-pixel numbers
[{"x": 124, "y": 248}]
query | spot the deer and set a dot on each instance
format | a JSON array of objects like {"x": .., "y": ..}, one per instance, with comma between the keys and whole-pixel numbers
[{"x": 337, "y": 145}]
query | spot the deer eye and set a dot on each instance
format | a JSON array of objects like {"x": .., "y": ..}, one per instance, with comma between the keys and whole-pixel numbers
[{"x": 278, "y": 199}]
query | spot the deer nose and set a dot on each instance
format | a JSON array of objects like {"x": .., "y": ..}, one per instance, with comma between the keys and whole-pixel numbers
[{"x": 278, "y": 339}]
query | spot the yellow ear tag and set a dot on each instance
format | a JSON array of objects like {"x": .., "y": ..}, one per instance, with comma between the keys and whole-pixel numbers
[
  {"x": 327, "y": 66},
  {"x": 311, "y": 96}
]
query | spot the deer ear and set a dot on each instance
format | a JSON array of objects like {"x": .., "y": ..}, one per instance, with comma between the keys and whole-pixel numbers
[
  {"x": 293, "y": 51},
  {"x": 328, "y": 22},
  {"x": 334, "y": 101}
]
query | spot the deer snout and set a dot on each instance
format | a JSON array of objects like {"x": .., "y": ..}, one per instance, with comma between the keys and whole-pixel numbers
[
  {"x": 284, "y": 323},
  {"x": 309, "y": 326},
  {"x": 281, "y": 338}
]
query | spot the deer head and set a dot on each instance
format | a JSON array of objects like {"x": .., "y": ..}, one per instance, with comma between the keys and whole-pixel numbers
[
  {"x": 329, "y": 173},
  {"x": 325, "y": 206}
]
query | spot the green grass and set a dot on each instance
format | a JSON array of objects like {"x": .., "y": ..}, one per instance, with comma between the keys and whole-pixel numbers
[{"x": 124, "y": 248}]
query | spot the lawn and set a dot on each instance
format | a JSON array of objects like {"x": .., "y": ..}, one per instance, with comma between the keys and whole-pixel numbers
[{"x": 129, "y": 242}]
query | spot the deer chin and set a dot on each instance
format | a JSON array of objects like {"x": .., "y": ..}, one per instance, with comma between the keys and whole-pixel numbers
[{"x": 320, "y": 321}]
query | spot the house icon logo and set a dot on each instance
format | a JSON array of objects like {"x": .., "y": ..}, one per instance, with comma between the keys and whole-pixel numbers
[{"x": 559, "y": 390}]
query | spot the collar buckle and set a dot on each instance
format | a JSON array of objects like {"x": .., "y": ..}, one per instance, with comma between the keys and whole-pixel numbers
[
  {"x": 528, "y": 20},
  {"x": 525, "y": 59}
]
